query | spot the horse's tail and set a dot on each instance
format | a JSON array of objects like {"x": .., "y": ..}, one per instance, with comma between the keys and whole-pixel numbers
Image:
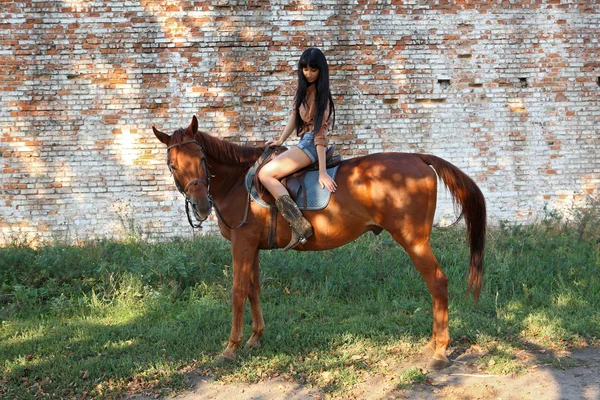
[{"x": 467, "y": 194}]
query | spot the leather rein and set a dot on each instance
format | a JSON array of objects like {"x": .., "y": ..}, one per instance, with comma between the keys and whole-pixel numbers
[{"x": 206, "y": 183}]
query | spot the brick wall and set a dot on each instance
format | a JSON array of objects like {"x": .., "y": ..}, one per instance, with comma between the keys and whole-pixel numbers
[{"x": 507, "y": 91}]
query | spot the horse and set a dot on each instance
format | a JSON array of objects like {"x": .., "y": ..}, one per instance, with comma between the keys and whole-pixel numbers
[{"x": 391, "y": 191}]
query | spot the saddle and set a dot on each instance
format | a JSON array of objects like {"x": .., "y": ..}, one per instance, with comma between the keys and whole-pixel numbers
[
  {"x": 295, "y": 184},
  {"x": 302, "y": 190}
]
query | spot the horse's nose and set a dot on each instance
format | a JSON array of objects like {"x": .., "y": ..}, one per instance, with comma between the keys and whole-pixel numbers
[
  {"x": 200, "y": 206},
  {"x": 195, "y": 206}
]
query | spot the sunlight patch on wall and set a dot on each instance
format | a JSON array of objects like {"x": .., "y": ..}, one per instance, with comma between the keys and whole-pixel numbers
[
  {"x": 304, "y": 5},
  {"x": 78, "y": 5},
  {"x": 174, "y": 27},
  {"x": 223, "y": 123},
  {"x": 30, "y": 159},
  {"x": 591, "y": 185},
  {"x": 249, "y": 32},
  {"x": 126, "y": 145},
  {"x": 517, "y": 105}
]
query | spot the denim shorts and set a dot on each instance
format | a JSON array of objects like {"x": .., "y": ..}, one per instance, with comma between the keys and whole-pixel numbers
[{"x": 307, "y": 144}]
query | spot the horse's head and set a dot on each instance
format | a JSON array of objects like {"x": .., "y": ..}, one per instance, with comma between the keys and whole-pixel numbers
[{"x": 187, "y": 163}]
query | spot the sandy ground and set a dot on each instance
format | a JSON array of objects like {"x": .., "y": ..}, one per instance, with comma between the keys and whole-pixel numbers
[{"x": 578, "y": 379}]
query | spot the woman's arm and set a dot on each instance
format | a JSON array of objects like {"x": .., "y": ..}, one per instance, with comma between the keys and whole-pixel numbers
[
  {"x": 324, "y": 178},
  {"x": 287, "y": 131}
]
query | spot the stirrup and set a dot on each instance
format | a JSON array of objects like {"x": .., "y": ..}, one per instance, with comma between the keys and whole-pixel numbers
[{"x": 295, "y": 242}]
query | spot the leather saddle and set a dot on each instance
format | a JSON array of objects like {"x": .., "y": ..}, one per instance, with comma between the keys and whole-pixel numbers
[{"x": 294, "y": 183}]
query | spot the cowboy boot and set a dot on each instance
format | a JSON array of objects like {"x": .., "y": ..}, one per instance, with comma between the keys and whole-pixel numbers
[{"x": 301, "y": 228}]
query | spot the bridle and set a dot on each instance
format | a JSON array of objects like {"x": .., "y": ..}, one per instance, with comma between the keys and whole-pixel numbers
[
  {"x": 183, "y": 190},
  {"x": 206, "y": 183}
]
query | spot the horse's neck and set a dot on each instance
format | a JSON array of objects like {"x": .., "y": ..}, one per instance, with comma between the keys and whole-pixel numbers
[
  {"x": 228, "y": 176},
  {"x": 225, "y": 178}
]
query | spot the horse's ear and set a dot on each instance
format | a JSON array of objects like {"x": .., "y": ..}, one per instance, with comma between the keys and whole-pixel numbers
[
  {"x": 194, "y": 125},
  {"x": 163, "y": 137}
]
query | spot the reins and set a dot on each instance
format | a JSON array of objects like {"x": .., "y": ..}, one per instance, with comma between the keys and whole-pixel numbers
[
  {"x": 206, "y": 183},
  {"x": 244, "y": 220}
]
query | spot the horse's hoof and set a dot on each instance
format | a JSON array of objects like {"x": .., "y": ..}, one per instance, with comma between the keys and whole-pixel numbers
[
  {"x": 225, "y": 358},
  {"x": 255, "y": 344},
  {"x": 437, "y": 363},
  {"x": 427, "y": 352}
]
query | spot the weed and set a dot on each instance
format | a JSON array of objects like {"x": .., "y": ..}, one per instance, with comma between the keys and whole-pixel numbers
[
  {"x": 557, "y": 362},
  {"x": 500, "y": 359},
  {"x": 413, "y": 375}
]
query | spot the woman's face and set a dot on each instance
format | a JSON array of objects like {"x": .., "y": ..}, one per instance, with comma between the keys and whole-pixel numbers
[{"x": 311, "y": 74}]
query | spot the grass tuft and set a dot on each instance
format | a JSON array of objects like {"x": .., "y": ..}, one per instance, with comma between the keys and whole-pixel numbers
[{"x": 413, "y": 375}]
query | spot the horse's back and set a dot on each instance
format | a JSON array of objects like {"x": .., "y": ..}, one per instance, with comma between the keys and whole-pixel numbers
[
  {"x": 391, "y": 191},
  {"x": 388, "y": 165},
  {"x": 386, "y": 182}
]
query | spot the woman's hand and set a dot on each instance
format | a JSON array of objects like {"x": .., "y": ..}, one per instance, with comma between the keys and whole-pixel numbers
[
  {"x": 326, "y": 182},
  {"x": 273, "y": 142}
]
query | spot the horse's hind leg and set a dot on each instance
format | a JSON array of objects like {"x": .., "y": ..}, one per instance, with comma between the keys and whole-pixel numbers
[
  {"x": 437, "y": 282},
  {"x": 258, "y": 323}
]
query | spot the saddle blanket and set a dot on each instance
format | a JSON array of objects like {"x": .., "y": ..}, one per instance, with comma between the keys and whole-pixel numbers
[{"x": 317, "y": 198}]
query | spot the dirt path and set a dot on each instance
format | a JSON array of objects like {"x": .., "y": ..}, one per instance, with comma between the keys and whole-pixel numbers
[
  {"x": 464, "y": 380},
  {"x": 578, "y": 378}
]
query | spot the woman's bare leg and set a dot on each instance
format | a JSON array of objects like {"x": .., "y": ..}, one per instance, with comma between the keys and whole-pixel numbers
[{"x": 283, "y": 165}]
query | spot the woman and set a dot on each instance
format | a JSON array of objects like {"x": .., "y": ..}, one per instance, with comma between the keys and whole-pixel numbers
[{"x": 312, "y": 115}]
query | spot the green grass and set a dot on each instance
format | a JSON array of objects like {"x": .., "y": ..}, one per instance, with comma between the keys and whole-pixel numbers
[
  {"x": 413, "y": 375},
  {"x": 108, "y": 318}
]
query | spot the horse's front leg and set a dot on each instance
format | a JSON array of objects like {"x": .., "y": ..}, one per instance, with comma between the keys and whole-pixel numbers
[
  {"x": 258, "y": 323},
  {"x": 243, "y": 261}
]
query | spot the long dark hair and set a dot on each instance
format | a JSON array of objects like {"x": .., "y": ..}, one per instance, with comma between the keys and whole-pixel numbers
[{"x": 314, "y": 58}]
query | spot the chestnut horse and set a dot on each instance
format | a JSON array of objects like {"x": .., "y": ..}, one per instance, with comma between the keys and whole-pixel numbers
[{"x": 392, "y": 191}]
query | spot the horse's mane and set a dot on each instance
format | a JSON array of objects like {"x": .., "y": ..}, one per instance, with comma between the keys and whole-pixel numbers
[{"x": 221, "y": 150}]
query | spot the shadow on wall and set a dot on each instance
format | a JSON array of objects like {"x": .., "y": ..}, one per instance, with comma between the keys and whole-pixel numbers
[{"x": 87, "y": 90}]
